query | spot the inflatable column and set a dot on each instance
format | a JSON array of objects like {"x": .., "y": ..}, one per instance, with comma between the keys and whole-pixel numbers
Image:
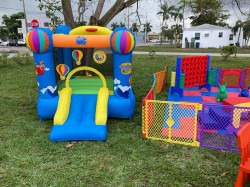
[
  {"x": 122, "y": 43},
  {"x": 39, "y": 41},
  {"x": 64, "y": 54}
]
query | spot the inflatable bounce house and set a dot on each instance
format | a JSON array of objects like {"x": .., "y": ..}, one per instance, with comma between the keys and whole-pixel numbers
[{"x": 80, "y": 105}]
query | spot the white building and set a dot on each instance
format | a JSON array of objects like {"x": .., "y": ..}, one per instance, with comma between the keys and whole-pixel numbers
[
  {"x": 210, "y": 36},
  {"x": 42, "y": 23}
]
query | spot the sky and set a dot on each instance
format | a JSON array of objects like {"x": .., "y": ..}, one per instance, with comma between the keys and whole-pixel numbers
[{"x": 147, "y": 11}]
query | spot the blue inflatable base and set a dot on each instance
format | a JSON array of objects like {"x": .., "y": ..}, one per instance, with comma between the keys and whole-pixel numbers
[
  {"x": 68, "y": 133},
  {"x": 47, "y": 107},
  {"x": 119, "y": 107}
]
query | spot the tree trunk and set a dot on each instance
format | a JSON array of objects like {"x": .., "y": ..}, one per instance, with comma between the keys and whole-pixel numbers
[
  {"x": 114, "y": 10},
  {"x": 68, "y": 14},
  {"x": 95, "y": 19}
]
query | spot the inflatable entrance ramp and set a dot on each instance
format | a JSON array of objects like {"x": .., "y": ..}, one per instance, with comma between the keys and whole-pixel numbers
[{"x": 81, "y": 116}]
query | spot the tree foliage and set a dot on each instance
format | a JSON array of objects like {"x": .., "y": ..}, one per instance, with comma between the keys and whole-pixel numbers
[
  {"x": 3, "y": 33},
  {"x": 53, "y": 8},
  {"x": 12, "y": 24},
  {"x": 97, "y": 17},
  {"x": 135, "y": 27},
  {"x": 147, "y": 26},
  {"x": 173, "y": 33},
  {"x": 241, "y": 5},
  {"x": 245, "y": 26},
  {"x": 168, "y": 12},
  {"x": 208, "y": 11},
  {"x": 246, "y": 32},
  {"x": 115, "y": 25}
]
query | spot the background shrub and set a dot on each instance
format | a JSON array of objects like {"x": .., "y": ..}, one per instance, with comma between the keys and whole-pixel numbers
[
  {"x": 226, "y": 51},
  {"x": 4, "y": 59}
]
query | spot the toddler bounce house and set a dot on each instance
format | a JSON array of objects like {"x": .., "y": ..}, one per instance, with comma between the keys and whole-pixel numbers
[
  {"x": 80, "y": 105},
  {"x": 206, "y": 106}
]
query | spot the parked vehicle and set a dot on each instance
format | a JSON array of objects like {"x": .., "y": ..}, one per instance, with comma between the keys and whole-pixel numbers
[
  {"x": 4, "y": 43},
  {"x": 154, "y": 41},
  {"x": 21, "y": 42},
  {"x": 13, "y": 42}
]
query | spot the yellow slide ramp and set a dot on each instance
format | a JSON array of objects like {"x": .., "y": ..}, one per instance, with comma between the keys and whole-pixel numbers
[
  {"x": 101, "y": 113},
  {"x": 62, "y": 111}
]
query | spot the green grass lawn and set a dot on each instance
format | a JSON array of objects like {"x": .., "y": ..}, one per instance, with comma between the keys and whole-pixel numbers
[
  {"x": 28, "y": 158},
  {"x": 168, "y": 48}
]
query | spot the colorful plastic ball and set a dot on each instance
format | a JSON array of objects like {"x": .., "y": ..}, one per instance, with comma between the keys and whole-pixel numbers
[
  {"x": 122, "y": 42},
  {"x": 37, "y": 41}
]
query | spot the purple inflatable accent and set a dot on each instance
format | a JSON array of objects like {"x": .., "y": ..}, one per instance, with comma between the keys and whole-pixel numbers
[{"x": 36, "y": 42}]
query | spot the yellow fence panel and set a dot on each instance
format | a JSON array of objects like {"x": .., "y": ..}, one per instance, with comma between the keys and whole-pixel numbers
[{"x": 171, "y": 121}]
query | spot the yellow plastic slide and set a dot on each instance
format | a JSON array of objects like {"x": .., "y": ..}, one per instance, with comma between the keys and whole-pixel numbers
[
  {"x": 102, "y": 106},
  {"x": 62, "y": 111}
]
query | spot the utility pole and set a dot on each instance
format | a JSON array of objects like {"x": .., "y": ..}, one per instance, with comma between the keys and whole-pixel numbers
[
  {"x": 25, "y": 18},
  {"x": 145, "y": 31},
  {"x": 128, "y": 17}
]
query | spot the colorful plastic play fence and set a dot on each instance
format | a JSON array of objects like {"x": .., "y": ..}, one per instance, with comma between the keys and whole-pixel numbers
[
  {"x": 212, "y": 126},
  {"x": 219, "y": 124},
  {"x": 161, "y": 78},
  {"x": 209, "y": 125},
  {"x": 159, "y": 81},
  {"x": 171, "y": 121}
]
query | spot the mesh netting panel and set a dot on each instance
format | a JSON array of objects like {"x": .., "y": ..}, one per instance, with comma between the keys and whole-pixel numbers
[
  {"x": 219, "y": 125},
  {"x": 231, "y": 77},
  {"x": 240, "y": 116},
  {"x": 143, "y": 121},
  {"x": 172, "y": 122},
  {"x": 215, "y": 77},
  {"x": 246, "y": 81},
  {"x": 231, "y": 80}
]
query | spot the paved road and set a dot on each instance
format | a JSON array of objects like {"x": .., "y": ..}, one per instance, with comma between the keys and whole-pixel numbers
[
  {"x": 13, "y": 50},
  {"x": 183, "y": 54}
]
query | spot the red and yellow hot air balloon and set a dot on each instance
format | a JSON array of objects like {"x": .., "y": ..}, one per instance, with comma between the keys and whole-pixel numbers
[
  {"x": 77, "y": 55},
  {"x": 63, "y": 70}
]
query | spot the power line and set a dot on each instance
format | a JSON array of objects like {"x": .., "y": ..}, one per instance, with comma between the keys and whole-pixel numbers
[
  {"x": 34, "y": 12},
  {"x": 27, "y": 11}
]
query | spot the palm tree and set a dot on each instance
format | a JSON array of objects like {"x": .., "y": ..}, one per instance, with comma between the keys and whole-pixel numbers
[
  {"x": 177, "y": 15},
  {"x": 147, "y": 26},
  {"x": 134, "y": 28},
  {"x": 177, "y": 30},
  {"x": 122, "y": 24},
  {"x": 238, "y": 27},
  {"x": 166, "y": 12},
  {"x": 114, "y": 25},
  {"x": 246, "y": 32}
]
